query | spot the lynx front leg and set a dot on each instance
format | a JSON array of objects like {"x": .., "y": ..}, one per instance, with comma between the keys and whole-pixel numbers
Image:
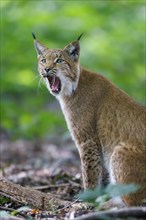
[{"x": 91, "y": 164}]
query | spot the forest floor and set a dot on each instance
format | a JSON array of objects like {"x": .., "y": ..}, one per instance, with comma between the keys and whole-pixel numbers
[{"x": 52, "y": 166}]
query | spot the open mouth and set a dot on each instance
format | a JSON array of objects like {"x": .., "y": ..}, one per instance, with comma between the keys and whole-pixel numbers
[{"x": 55, "y": 83}]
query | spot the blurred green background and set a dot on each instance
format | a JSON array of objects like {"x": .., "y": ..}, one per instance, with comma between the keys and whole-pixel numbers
[{"x": 112, "y": 44}]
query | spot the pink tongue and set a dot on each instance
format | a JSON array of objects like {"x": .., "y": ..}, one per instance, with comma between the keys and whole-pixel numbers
[{"x": 55, "y": 84}]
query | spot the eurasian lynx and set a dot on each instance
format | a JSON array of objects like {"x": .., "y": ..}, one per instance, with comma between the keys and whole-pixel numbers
[{"x": 107, "y": 126}]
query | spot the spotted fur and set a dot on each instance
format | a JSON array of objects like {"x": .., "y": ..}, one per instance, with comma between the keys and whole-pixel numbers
[{"x": 107, "y": 126}]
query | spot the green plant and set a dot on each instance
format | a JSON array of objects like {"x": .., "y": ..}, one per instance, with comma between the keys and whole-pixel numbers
[
  {"x": 101, "y": 194},
  {"x": 4, "y": 200}
]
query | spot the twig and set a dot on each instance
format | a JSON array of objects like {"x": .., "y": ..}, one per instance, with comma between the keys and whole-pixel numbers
[
  {"x": 51, "y": 186},
  {"x": 6, "y": 209},
  {"x": 13, "y": 210},
  {"x": 74, "y": 183},
  {"x": 69, "y": 205},
  {"x": 136, "y": 212}
]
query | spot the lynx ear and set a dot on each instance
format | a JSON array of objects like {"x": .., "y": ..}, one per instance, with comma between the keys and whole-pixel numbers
[
  {"x": 73, "y": 49},
  {"x": 38, "y": 46}
]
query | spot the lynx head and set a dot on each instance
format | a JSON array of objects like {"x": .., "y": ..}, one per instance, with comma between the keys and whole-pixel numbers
[{"x": 59, "y": 68}]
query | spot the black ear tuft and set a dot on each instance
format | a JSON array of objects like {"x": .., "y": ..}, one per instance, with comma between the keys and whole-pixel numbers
[
  {"x": 73, "y": 49},
  {"x": 40, "y": 48},
  {"x": 80, "y": 36},
  {"x": 34, "y": 37}
]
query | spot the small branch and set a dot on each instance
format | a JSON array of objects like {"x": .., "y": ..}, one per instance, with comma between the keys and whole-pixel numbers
[
  {"x": 133, "y": 212},
  {"x": 69, "y": 205},
  {"x": 13, "y": 210},
  {"x": 50, "y": 186},
  {"x": 6, "y": 209},
  {"x": 29, "y": 196}
]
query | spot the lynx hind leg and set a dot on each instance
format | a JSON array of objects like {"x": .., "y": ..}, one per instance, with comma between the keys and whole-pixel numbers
[{"x": 128, "y": 165}]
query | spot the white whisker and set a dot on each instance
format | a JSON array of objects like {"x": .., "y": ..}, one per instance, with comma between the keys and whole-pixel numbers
[
  {"x": 35, "y": 78},
  {"x": 39, "y": 85}
]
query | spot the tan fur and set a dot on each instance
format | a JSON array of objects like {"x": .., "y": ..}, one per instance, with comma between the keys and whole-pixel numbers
[{"x": 108, "y": 127}]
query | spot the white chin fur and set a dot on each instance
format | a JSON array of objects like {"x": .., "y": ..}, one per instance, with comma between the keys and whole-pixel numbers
[{"x": 67, "y": 87}]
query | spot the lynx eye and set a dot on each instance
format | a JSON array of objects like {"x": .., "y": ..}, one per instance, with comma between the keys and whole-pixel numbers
[
  {"x": 59, "y": 60},
  {"x": 43, "y": 60}
]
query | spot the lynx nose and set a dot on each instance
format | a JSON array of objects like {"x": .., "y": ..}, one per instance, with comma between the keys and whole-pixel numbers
[{"x": 47, "y": 69}]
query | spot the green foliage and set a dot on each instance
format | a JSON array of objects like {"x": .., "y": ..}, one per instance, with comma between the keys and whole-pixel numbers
[
  {"x": 3, "y": 200},
  {"x": 19, "y": 210},
  {"x": 101, "y": 194},
  {"x": 113, "y": 44},
  {"x": 121, "y": 189}
]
